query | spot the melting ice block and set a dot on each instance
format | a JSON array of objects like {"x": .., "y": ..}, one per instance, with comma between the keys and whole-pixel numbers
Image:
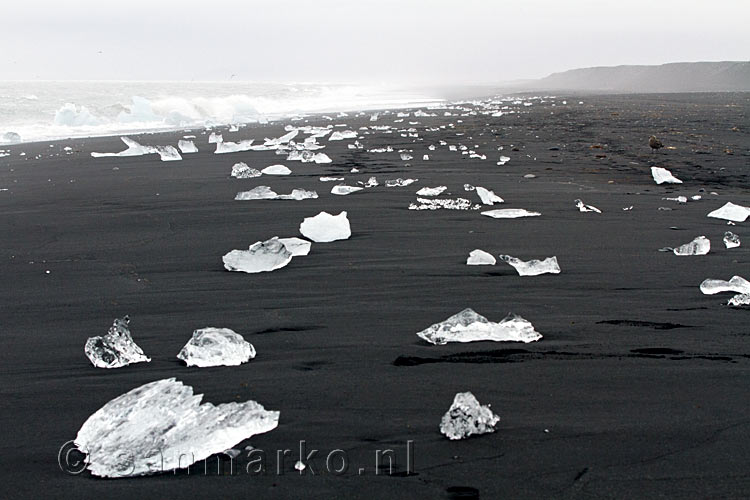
[
  {"x": 134, "y": 149},
  {"x": 214, "y": 138},
  {"x": 371, "y": 182},
  {"x": 216, "y": 347},
  {"x": 297, "y": 246},
  {"x": 116, "y": 348},
  {"x": 242, "y": 171},
  {"x": 533, "y": 267},
  {"x": 324, "y": 227},
  {"x": 742, "y": 299},
  {"x": 162, "y": 426},
  {"x": 468, "y": 326},
  {"x": 447, "y": 204},
  {"x": 233, "y": 147},
  {"x": 168, "y": 153},
  {"x": 510, "y": 213},
  {"x": 467, "y": 417},
  {"x": 187, "y": 146},
  {"x": 266, "y": 193},
  {"x": 732, "y": 212},
  {"x": 736, "y": 284},
  {"x": 480, "y": 258},
  {"x": 503, "y": 160},
  {"x": 586, "y": 208},
  {"x": 344, "y": 190},
  {"x": 262, "y": 256},
  {"x": 399, "y": 182},
  {"x": 428, "y": 191},
  {"x": 344, "y": 134},
  {"x": 488, "y": 197},
  {"x": 731, "y": 240},
  {"x": 699, "y": 246},
  {"x": 276, "y": 170},
  {"x": 662, "y": 175}
]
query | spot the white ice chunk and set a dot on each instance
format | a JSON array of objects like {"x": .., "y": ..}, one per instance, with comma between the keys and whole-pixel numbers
[
  {"x": 731, "y": 212},
  {"x": 533, "y": 267},
  {"x": 344, "y": 134},
  {"x": 134, "y": 149},
  {"x": 510, "y": 213},
  {"x": 344, "y": 190},
  {"x": 699, "y": 246},
  {"x": 298, "y": 195},
  {"x": 428, "y": 191},
  {"x": 447, "y": 204},
  {"x": 324, "y": 227},
  {"x": 488, "y": 197},
  {"x": 116, "y": 348},
  {"x": 162, "y": 426},
  {"x": 468, "y": 326},
  {"x": 214, "y": 138},
  {"x": 480, "y": 258},
  {"x": 262, "y": 256},
  {"x": 168, "y": 153},
  {"x": 736, "y": 284},
  {"x": 242, "y": 171},
  {"x": 233, "y": 147},
  {"x": 216, "y": 347},
  {"x": 742, "y": 299},
  {"x": 331, "y": 179},
  {"x": 187, "y": 147},
  {"x": 371, "y": 182},
  {"x": 257, "y": 193},
  {"x": 731, "y": 240},
  {"x": 296, "y": 246},
  {"x": 662, "y": 175},
  {"x": 406, "y": 157},
  {"x": 399, "y": 182},
  {"x": 276, "y": 170},
  {"x": 467, "y": 417},
  {"x": 469, "y": 187},
  {"x": 586, "y": 208},
  {"x": 503, "y": 160}
]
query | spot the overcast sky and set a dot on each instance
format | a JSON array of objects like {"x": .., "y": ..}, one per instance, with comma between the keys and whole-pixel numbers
[{"x": 421, "y": 41}]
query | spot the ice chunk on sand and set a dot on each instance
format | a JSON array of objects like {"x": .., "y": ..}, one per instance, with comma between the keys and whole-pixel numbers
[
  {"x": 699, "y": 246},
  {"x": 216, "y": 347},
  {"x": 488, "y": 197},
  {"x": 586, "y": 208},
  {"x": 162, "y": 426},
  {"x": 116, "y": 348},
  {"x": 134, "y": 149},
  {"x": 233, "y": 147},
  {"x": 731, "y": 240},
  {"x": 467, "y": 417},
  {"x": 399, "y": 182},
  {"x": 662, "y": 175},
  {"x": 468, "y": 326},
  {"x": 298, "y": 195},
  {"x": 344, "y": 190},
  {"x": 742, "y": 299},
  {"x": 533, "y": 267},
  {"x": 214, "y": 138},
  {"x": 480, "y": 258},
  {"x": 331, "y": 179},
  {"x": 469, "y": 187},
  {"x": 168, "y": 153},
  {"x": 276, "y": 170},
  {"x": 437, "y": 204},
  {"x": 503, "y": 160},
  {"x": 242, "y": 171},
  {"x": 510, "y": 213},
  {"x": 257, "y": 193},
  {"x": 371, "y": 182},
  {"x": 187, "y": 147},
  {"x": 262, "y": 256},
  {"x": 732, "y": 212},
  {"x": 406, "y": 157},
  {"x": 297, "y": 246},
  {"x": 428, "y": 191},
  {"x": 324, "y": 227},
  {"x": 736, "y": 284},
  {"x": 344, "y": 134}
]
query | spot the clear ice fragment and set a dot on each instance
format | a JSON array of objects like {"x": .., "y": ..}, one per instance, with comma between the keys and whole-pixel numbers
[
  {"x": 468, "y": 326},
  {"x": 533, "y": 267},
  {"x": 488, "y": 197},
  {"x": 480, "y": 258},
  {"x": 262, "y": 256},
  {"x": 216, "y": 347},
  {"x": 510, "y": 213},
  {"x": 116, "y": 348},
  {"x": 586, "y": 208},
  {"x": 428, "y": 191},
  {"x": 242, "y": 171},
  {"x": 466, "y": 417},
  {"x": 731, "y": 240},
  {"x": 324, "y": 227},
  {"x": 699, "y": 246},
  {"x": 736, "y": 284},
  {"x": 344, "y": 190}
]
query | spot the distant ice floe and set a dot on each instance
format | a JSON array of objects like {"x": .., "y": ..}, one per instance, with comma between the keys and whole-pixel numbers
[
  {"x": 187, "y": 146},
  {"x": 162, "y": 426},
  {"x": 510, "y": 213},
  {"x": 344, "y": 190},
  {"x": 586, "y": 208},
  {"x": 324, "y": 227},
  {"x": 428, "y": 191},
  {"x": 242, "y": 171},
  {"x": 166, "y": 153},
  {"x": 266, "y": 193},
  {"x": 466, "y": 417},
  {"x": 262, "y": 256},
  {"x": 399, "y": 182},
  {"x": 736, "y": 284},
  {"x": 115, "y": 349},
  {"x": 468, "y": 326},
  {"x": 446, "y": 204},
  {"x": 699, "y": 246},
  {"x": 344, "y": 134},
  {"x": 216, "y": 347},
  {"x": 276, "y": 170},
  {"x": 731, "y": 212},
  {"x": 488, "y": 197},
  {"x": 480, "y": 258},
  {"x": 662, "y": 175},
  {"x": 533, "y": 267},
  {"x": 731, "y": 240}
]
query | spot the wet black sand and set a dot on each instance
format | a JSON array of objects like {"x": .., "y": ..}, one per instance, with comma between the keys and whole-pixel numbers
[{"x": 639, "y": 388}]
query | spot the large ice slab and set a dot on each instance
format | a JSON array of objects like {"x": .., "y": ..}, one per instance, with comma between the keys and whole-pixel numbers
[
  {"x": 428, "y": 191},
  {"x": 586, "y": 208},
  {"x": 162, "y": 426},
  {"x": 446, "y": 204},
  {"x": 276, "y": 170},
  {"x": 266, "y": 193},
  {"x": 533, "y": 267},
  {"x": 699, "y": 246},
  {"x": 324, "y": 227},
  {"x": 736, "y": 284},
  {"x": 480, "y": 258},
  {"x": 466, "y": 417},
  {"x": 116, "y": 348},
  {"x": 242, "y": 171},
  {"x": 187, "y": 146},
  {"x": 468, "y": 326},
  {"x": 488, "y": 197},
  {"x": 166, "y": 153},
  {"x": 732, "y": 212},
  {"x": 662, "y": 175},
  {"x": 731, "y": 240},
  {"x": 262, "y": 256},
  {"x": 510, "y": 213},
  {"x": 343, "y": 190},
  {"x": 216, "y": 347},
  {"x": 233, "y": 147}
]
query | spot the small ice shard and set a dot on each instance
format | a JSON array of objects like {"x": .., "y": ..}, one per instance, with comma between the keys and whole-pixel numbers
[
  {"x": 233, "y": 147},
  {"x": 168, "y": 153},
  {"x": 480, "y": 258},
  {"x": 529, "y": 176},
  {"x": 116, "y": 348},
  {"x": 469, "y": 187},
  {"x": 428, "y": 191},
  {"x": 586, "y": 208},
  {"x": 324, "y": 227},
  {"x": 344, "y": 190},
  {"x": 371, "y": 182},
  {"x": 699, "y": 246},
  {"x": 406, "y": 157},
  {"x": 262, "y": 256},
  {"x": 625, "y": 209},
  {"x": 731, "y": 212},
  {"x": 276, "y": 170},
  {"x": 216, "y": 347},
  {"x": 162, "y": 426},
  {"x": 298, "y": 195},
  {"x": 187, "y": 146},
  {"x": 331, "y": 179},
  {"x": 488, "y": 197},
  {"x": 736, "y": 284},
  {"x": 678, "y": 199},
  {"x": 510, "y": 213},
  {"x": 296, "y": 246},
  {"x": 214, "y": 138},
  {"x": 662, "y": 175},
  {"x": 467, "y": 417},
  {"x": 503, "y": 160},
  {"x": 425, "y": 157},
  {"x": 257, "y": 193},
  {"x": 242, "y": 171},
  {"x": 354, "y": 170},
  {"x": 399, "y": 182},
  {"x": 731, "y": 240},
  {"x": 741, "y": 299},
  {"x": 533, "y": 267},
  {"x": 468, "y": 326}
]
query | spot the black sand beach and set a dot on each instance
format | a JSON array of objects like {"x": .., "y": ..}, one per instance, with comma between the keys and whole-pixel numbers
[{"x": 639, "y": 388}]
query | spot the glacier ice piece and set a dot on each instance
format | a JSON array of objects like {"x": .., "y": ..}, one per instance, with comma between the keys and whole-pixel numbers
[
  {"x": 331, "y": 179},
  {"x": 257, "y": 193},
  {"x": 233, "y": 147},
  {"x": 216, "y": 347},
  {"x": 214, "y": 138},
  {"x": 466, "y": 417},
  {"x": 344, "y": 134},
  {"x": 187, "y": 146},
  {"x": 115, "y": 349},
  {"x": 162, "y": 426},
  {"x": 741, "y": 299},
  {"x": 262, "y": 256},
  {"x": 297, "y": 246},
  {"x": 406, "y": 157},
  {"x": 298, "y": 195},
  {"x": 284, "y": 139},
  {"x": 242, "y": 171},
  {"x": 324, "y": 227},
  {"x": 10, "y": 138},
  {"x": 468, "y": 326},
  {"x": 731, "y": 212},
  {"x": 399, "y": 182},
  {"x": 428, "y": 191},
  {"x": 736, "y": 284},
  {"x": 344, "y": 190},
  {"x": 276, "y": 170},
  {"x": 503, "y": 160},
  {"x": 480, "y": 258},
  {"x": 731, "y": 240},
  {"x": 134, "y": 149},
  {"x": 371, "y": 182},
  {"x": 168, "y": 153},
  {"x": 469, "y": 187},
  {"x": 533, "y": 267},
  {"x": 678, "y": 199},
  {"x": 487, "y": 196},
  {"x": 510, "y": 213},
  {"x": 586, "y": 208},
  {"x": 662, "y": 175},
  {"x": 699, "y": 246},
  {"x": 447, "y": 204}
]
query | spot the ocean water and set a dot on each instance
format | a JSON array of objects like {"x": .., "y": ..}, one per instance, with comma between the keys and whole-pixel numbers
[{"x": 35, "y": 111}]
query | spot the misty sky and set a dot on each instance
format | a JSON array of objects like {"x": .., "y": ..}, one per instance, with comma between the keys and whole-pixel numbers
[{"x": 421, "y": 41}]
